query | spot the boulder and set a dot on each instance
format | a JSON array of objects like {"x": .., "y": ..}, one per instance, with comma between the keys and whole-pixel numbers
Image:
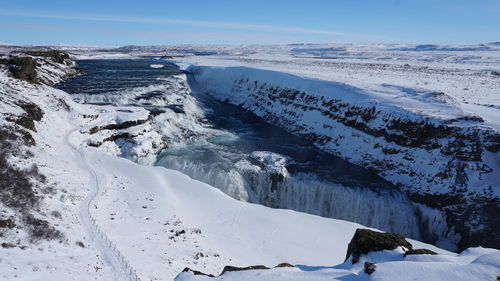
[
  {"x": 365, "y": 241},
  {"x": 369, "y": 267},
  {"x": 283, "y": 264}
]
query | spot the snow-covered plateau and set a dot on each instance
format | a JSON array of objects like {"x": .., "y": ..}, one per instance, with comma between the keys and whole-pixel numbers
[{"x": 73, "y": 206}]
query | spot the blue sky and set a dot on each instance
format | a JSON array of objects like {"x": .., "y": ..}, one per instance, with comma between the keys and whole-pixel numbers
[{"x": 151, "y": 22}]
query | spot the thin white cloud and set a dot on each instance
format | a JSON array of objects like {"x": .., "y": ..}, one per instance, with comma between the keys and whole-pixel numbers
[
  {"x": 212, "y": 37},
  {"x": 212, "y": 24}
]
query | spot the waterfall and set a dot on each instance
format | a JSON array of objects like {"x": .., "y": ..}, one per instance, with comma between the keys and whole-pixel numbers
[
  {"x": 227, "y": 180},
  {"x": 386, "y": 210}
]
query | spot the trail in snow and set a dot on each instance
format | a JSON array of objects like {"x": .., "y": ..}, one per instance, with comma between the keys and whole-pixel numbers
[{"x": 110, "y": 254}]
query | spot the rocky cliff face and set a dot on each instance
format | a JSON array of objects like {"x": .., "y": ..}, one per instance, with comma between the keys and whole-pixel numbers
[
  {"x": 448, "y": 164},
  {"x": 24, "y": 188}
]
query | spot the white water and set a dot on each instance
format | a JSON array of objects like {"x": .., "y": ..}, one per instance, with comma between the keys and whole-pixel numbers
[{"x": 383, "y": 210}]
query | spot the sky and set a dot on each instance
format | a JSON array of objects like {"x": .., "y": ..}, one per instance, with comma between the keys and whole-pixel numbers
[{"x": 111, "y": 23}]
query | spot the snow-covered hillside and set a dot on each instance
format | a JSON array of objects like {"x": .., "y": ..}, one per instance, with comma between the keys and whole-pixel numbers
[{"x": 87, "y": 214}]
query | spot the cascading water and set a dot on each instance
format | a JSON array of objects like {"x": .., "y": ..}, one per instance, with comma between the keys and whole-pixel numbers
[
  {"x": 248, "y": 159},
  {"x": 383, "y": 209}
]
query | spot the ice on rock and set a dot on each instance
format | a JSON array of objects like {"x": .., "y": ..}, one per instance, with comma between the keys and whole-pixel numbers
[{"x": 273, "y": 163}]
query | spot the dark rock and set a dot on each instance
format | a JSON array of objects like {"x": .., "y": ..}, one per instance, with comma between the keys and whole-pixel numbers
[
  {"x": 196, "y": 272},
  {"x": 23, "y": 68},
  {"x": 180, "y": 232},
  {"x": 492, "y": 142},
  {"x": 33, "y": 113},
  {"x": 150, "y": 95},
  {"x": 369, "y": 267},
  {"x": 365, "y": 241},
  {"x": 123, "y": 125},
  {"x": 7, "y": 245},
  {"x": 33, "y": 110},
  {"x": 155, "y": 111},
  {"x": 26, "y": 122},
  {"x": 40, "y": 229},
  {"x": 275, "y": 178},
  {"x": 55, "y": 55},
  {"x": 27, "y": 138},
  {"x": 16, "y": 185},
  {"x": 419, "y": 252},
  {"x": 229, "y": 268},
  {"x": 177, "y": 108},
  {"x": 113, "y": 137},
  {"x": 284, "y": 264},
  {"x": 8, "y": 223}
]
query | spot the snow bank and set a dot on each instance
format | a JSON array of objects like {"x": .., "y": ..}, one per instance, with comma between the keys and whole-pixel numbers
[{"x": 472, "y": 264}]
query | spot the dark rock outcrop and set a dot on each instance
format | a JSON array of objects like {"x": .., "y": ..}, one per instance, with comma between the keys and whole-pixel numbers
[
  {"x": 229, "y": 268},
  {"x": 16, "y": 185},
  {"x": 7, "y": 223},
  {"x": 33, "y": 113},
  {"x": 419, "y": 252},
  {"x": 55, "y": 55},
  {"x": 283, "y": 264},
  {"x": 369, "y": 267},
  {"x": 8, "y": 245},
  {"x": 196, "y": 272},
  {"x": 365, "y": 241},
  {"x": 23, "y": 68},
  {"x": 40, "y": 229},
  {"x": 119, "y": 126}
]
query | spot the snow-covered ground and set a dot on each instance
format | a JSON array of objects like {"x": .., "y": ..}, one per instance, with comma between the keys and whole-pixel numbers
[
  {"x": 473, "y": 264},
  {"x": 121, "y": 220}
]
